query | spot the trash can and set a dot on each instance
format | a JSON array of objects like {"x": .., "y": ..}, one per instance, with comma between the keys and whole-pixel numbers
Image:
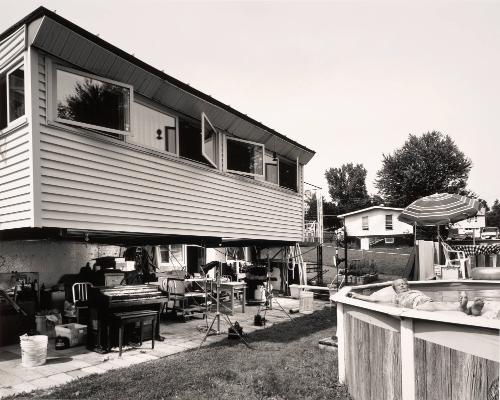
[{"x": 33, "y": 350}]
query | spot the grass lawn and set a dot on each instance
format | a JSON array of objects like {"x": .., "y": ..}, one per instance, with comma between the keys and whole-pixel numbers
[{"x": 285, "y": 363}]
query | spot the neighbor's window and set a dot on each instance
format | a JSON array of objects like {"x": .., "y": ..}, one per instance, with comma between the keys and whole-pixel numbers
[
  {"x": 287, "y": 174},
  {"x": 244, "y": 157},
  {"x": 388, "y": 222},
  {"x": 364, "y": 223},
  {"x": 12, "y": 101},
  {"x": 92, "y": 103}
]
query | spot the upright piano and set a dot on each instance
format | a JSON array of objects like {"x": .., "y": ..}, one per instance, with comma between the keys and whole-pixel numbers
[{"x": 104, "y": 301}]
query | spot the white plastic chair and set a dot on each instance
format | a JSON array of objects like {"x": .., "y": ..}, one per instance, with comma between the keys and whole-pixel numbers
[{"x": 455, "y": 258}]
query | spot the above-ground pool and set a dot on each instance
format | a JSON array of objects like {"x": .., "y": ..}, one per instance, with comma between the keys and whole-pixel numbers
[{"x": 387, "y": 352}]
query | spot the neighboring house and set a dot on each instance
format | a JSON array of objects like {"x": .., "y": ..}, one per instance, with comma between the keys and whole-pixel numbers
[
  {"x": 472, "y": 225},
  {"x": 375, "y": 222},
  {"x": 99, "y": 147}
]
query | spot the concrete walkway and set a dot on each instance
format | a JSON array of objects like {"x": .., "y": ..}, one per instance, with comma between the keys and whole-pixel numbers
[{"x": 63, "y": 366}]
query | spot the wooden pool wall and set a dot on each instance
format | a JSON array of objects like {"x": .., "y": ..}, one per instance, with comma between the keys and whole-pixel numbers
[{"x": 392, "y": 353}]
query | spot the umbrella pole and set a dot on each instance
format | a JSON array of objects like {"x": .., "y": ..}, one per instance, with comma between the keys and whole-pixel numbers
[
  {"x": 439, "y": 246},
  {"x": 415, "y": 247}
]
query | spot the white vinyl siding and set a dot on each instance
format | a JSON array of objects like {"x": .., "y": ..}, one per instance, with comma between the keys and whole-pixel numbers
[
  {"x": 11, "y": 47},
  {"x": 16, "y": 205},
  {"x": 92, "y": 183},
  {"x": 15, "y": 179}
]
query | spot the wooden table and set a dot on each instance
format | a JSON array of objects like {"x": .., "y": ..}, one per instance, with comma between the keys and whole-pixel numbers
[{"x": 232, "y": 287}]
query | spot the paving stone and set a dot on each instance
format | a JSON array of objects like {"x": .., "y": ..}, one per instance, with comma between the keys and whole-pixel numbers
[
  {"x": 26, "y": 374},
  {"x": 79, "y": 373},
  {"x": 24, "y": 387},
  {"x": 7, "y": 379},
  {"x": 93, "y": 370},
  {"x": 6, "y": 392}
]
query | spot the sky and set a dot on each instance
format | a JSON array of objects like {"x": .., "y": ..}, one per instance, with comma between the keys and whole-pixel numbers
[{"x": 348, "y": 79}]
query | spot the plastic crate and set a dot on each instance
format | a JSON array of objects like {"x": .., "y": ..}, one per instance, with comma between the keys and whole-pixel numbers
[{"x": 76, "y": 333}]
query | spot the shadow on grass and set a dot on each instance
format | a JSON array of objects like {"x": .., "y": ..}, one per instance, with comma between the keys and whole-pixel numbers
[{"x": 288, "y": 331}]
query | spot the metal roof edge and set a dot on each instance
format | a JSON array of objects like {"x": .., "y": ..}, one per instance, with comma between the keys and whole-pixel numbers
[{"x": 42, "y": 11}]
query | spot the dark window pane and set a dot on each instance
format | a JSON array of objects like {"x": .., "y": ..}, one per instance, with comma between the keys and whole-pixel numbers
[
  {"x": 92, "y": 102},
  {"x": 288, "y": 175},
  {"x": 244, "y": 157},
  {"x": 272, "y": 173},
  {"x": 16, "y": 94},
  {"x": 3, "y": 102},
  {"x": 164, "y": 254},
  {"x": 190, "y": 141}
]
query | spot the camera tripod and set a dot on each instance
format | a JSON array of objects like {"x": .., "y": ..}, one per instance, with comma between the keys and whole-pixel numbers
[
  {"x": 268, "y": 304},
  {"x": 217, "y": 316}
]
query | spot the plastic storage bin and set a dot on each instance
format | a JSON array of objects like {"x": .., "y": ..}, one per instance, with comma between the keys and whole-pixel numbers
[{"x": 76, "y": 333}]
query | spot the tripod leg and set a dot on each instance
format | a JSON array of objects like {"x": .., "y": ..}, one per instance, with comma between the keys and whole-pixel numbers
[{"x": 208, "y": 331}]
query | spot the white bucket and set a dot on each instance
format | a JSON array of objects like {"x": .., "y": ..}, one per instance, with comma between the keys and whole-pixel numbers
[
  {"x": 260, "y": 293},
  {"x": 306, "y": 302},
  {"x": 33, "y": 350}
]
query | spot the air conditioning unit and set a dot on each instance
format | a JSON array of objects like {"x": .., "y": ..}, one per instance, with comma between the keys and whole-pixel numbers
[{"x": 389, "y": 240}]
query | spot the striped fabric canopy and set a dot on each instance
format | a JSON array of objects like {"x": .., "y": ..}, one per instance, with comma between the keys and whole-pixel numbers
[{"x": 439, "y": 209}]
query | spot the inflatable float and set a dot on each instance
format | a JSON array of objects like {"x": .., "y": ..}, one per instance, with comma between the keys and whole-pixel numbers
[{"x": 485, "y": 273}]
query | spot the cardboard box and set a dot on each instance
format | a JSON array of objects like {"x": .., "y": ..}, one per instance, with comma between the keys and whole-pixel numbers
[{"x": 76, "y": 333}]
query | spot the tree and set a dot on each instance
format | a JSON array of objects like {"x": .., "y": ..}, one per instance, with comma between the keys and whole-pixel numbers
[
  {"x": 330, "y": 212},
  {"x": 493, "y": 216},
  {"x": 427, "y": 164},
  {"x": 347, "y": 187}
]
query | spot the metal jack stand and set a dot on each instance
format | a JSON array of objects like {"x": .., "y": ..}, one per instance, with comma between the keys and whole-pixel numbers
[{"x": 218, "y": 314}]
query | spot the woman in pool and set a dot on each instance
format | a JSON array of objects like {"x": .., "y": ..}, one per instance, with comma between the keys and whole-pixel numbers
[{"x": 417, "y": 300}]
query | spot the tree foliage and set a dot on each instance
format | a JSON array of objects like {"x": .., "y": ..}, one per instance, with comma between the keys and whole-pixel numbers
[
  {"x": 427, "y": 164},
  {"x": 493, "y": 215},
  {"x": 347, "y": 187}
]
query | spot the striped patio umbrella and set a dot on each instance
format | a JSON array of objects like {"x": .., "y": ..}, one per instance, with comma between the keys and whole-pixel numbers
[{"x": 439, "y": 209}]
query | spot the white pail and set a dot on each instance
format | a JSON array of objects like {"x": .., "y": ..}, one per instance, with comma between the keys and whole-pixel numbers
[
  {"x": 260, "y": 293},
  {"x": 33, "y": 350},
  {"x": 306, "y": 302}
]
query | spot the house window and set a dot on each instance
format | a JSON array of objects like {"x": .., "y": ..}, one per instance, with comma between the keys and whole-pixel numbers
[
  {"x": 171, "y": 255},
  {"x": 244, "y": 157},
  {"x": 210, "y": 141},
  {"x": 388, "y": 222},
  {"x": 287, "y": 171},
  {"x": 12, "y": 101},
  {"x": 272, "y": 172},
  {"x": 91, "y": 102},
  {"x": 389, "y": 240},
  {"x": 364, "y": 223},
  {"x": 171, "y": 138},
  {"x": 199, "y": 142}
]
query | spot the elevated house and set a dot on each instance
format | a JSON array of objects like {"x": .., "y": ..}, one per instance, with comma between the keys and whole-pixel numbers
[
  {"x": 377, "y": 223},
  {"x": 99, "y": 147}
]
